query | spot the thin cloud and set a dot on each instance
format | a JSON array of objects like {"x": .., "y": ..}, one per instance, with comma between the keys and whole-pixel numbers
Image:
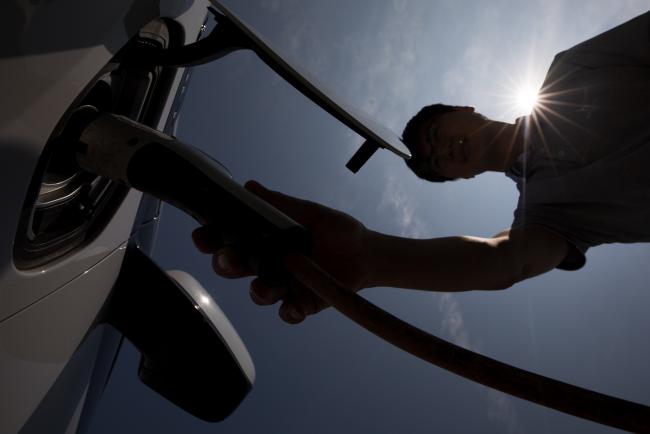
[
  {"x": 500, "y": 407},
  {"x": 380, "y": 76},
  {"x": 358, "y": 64},
  {"x": 453, "y": 324},
  {"x": 501, "y": 410},
  {"x": 403, "y": 206}
]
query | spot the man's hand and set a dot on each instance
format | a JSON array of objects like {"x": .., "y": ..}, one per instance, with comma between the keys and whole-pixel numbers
[{"x": 339, "y": 245}]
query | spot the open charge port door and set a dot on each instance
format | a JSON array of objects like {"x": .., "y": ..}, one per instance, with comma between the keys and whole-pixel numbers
[{"x": 190, "y": 353}]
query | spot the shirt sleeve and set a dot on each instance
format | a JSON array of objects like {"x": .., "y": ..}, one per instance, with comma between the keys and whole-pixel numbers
[{"x": 550, "y": 219}]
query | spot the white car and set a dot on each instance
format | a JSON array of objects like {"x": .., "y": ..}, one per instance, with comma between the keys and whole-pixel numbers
[{"x": 74, "y": 270}]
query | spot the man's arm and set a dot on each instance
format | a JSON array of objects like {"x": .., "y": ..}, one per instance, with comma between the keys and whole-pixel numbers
[
  {"x": 360, "y": 258},
  {"x": 463, "y": 263}
]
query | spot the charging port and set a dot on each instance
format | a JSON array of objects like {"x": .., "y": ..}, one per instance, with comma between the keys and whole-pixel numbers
[{"x": 67, "y": 207}]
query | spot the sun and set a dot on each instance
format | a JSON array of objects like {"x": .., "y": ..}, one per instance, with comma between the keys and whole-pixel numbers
[
  {"x": 519, "y": 89},
  {"x": 525, "y": 99}
]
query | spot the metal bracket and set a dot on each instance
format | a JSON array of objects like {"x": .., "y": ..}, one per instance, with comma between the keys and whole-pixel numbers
[{"x": 367, "y": 149}]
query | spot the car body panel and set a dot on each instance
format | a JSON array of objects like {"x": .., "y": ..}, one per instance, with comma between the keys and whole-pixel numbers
[
  {"x": 37, "y": 343},
  {"x": 50, "y": 336}
]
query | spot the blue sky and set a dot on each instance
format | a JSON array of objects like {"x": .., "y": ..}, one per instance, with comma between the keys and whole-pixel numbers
[{"x": 390, "y": 58}]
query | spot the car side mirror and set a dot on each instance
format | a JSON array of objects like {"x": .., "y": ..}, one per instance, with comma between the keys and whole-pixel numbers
[{"x": 191, "y": 354}]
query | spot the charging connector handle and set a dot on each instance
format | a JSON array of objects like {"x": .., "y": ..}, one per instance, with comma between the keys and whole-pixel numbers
[{"x": 185, "y": 177}]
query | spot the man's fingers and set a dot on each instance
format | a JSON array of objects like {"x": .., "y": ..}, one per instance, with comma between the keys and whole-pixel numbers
[
  {"x": 207, "y": 239},
  {"x": 290, "y": 313},
  {"x": 304, "y": 300},
  {"x": 227, "y": 263},
  {"x": 300, "y": 303},
  {"x": 264, "y": 295}
]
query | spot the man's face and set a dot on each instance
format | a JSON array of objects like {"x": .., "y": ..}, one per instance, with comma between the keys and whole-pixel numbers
[{"x": 454, "y": 144}]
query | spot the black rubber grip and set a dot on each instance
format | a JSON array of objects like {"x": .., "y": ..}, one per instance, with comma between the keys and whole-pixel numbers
[{"x": 259, "y": 232}]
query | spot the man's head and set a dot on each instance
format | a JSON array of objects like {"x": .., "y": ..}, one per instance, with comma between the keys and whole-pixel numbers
[
  {"x": 447, "y": 142},
  {"x": 411, "y": 138}
]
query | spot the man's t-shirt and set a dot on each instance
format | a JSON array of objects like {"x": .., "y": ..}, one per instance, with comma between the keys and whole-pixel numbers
[{"x": 585, "y": 172}]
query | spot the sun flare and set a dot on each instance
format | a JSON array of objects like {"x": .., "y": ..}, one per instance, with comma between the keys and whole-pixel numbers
[
  {"x": 525, "y": 99},
  {"x": 519, "y": 90}
]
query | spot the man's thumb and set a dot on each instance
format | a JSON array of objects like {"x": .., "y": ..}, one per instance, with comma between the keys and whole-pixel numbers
[{"x": 294, "y": 207}]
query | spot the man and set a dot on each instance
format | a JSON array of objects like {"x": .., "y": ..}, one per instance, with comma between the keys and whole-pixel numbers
[{"x": 580, "y": 163}]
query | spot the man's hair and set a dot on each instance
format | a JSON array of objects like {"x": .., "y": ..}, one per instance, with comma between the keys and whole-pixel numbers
[{"x": 411, "y": 136}]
